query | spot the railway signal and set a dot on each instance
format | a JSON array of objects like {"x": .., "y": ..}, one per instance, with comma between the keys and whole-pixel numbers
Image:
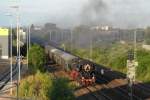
[
  {"x": 131, "y": 67},
  {"x": 131, "y": 72}
]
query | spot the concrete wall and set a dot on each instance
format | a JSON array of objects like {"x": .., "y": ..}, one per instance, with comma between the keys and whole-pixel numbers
[{"x": 4, "y": 46}]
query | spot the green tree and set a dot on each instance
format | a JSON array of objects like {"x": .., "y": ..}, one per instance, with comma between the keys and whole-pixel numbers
[{"x": 36, "y": 58}]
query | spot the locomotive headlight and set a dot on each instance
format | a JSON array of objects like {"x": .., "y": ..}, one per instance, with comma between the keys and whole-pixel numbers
[{"x": 87, "y": 67}]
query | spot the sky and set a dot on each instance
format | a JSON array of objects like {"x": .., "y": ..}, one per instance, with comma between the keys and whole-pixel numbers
[{"x": 68, "y": 13}]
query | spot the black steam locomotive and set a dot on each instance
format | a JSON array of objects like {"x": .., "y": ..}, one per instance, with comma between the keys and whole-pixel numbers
[{"x": 78, "y": 69}]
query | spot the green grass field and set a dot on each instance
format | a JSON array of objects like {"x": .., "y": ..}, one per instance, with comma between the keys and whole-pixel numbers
[{"x": 115, "y": 57}]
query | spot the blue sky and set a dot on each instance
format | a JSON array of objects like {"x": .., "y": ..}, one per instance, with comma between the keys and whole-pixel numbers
[{"x": 120, "y": 13}]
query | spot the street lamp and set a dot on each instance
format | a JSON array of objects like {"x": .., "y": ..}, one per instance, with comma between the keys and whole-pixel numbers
[
  {"x": 10, "y": 22},
  {"x": 18, "y": 39}
]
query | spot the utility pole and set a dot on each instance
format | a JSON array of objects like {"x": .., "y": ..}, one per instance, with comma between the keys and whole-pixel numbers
[
  {"x": 131, "y": 67},
  {"x": 27, "y": 41},
  {"x": 135, "y": 49},
  {"x": 71, "y": 41},
  {"x": 18, "y": 38},
  {"x": 10, "y": 22},
  {"x": 28, "y": 44},
  {"x": 18, "y": 47},
  {"x": 56, "y": 37},
  {"x": 29, "y": 37},
  {"x": 18, "y": 28},
  {"x": 11, "y": 57},
  {"x": 91, "y": 47},
  {"x": 50, "y": 36},
  {"x": 63, "y": 43}
]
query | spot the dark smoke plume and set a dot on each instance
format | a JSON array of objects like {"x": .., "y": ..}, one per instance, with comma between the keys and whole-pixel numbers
[{"x": 94, "y": 12}]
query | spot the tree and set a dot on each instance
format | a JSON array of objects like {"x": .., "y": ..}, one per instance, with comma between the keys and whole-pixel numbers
[{"x": 36, "y": 58}]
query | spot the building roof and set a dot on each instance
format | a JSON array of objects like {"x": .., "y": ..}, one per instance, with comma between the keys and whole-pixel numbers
[{"x": 4, "y": 32}]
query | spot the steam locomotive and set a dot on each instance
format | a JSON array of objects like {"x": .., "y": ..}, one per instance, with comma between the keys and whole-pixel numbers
[{"x": 78, "y": 69}]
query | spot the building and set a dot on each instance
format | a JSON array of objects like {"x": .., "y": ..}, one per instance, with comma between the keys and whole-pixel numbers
[
  {"x": 22, "y": 36},
  {"x": 4, "y": 44},
  {"x": 50, "y": 26},
  {"x": 102, "y": 28}
]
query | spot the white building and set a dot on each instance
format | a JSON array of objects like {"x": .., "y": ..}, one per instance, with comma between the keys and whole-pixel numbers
[{"x": 22, "y": 36}]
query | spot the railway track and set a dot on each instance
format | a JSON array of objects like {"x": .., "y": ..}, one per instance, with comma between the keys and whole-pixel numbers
[
  {"x": 138, "y": 89},
  {"x": 98, "y": 94},
  {"x": 114, "y": 93},
  {"x": 143, "y": 87},
  {"x": 140, "y": 92},
  {"x": 6, "y": 76},
  {"x": 122, "y": 90}
]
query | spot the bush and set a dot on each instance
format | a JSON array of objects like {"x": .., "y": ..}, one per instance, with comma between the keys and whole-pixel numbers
[
  {"x": 42, "y": 87},
  {"x": 143, "y": 68},
  {"x": 61, "y": 90},
  {"x": 35, "y": 87}
]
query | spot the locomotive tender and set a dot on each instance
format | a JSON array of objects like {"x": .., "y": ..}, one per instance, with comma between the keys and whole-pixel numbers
[{"x": 79, "y": 69}]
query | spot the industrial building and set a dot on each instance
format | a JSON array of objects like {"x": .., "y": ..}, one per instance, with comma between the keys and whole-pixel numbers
[{"x": 4, "y": 43}]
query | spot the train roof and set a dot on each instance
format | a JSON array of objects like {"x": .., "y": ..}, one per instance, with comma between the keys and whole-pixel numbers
[
  {"x": 68, "y": 57},
  {"x": 57, "y": 51},
  {"x": 62, "y": 54}
]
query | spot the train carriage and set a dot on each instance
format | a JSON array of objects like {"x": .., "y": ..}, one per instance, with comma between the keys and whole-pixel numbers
[
  {"x": 56, "y": 55},
  {"x": 67, "y": 61},
  {"x": 49, "y": 52}
]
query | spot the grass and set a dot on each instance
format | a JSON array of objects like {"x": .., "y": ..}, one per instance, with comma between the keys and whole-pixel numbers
[{"x": 115, "y": 57}]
